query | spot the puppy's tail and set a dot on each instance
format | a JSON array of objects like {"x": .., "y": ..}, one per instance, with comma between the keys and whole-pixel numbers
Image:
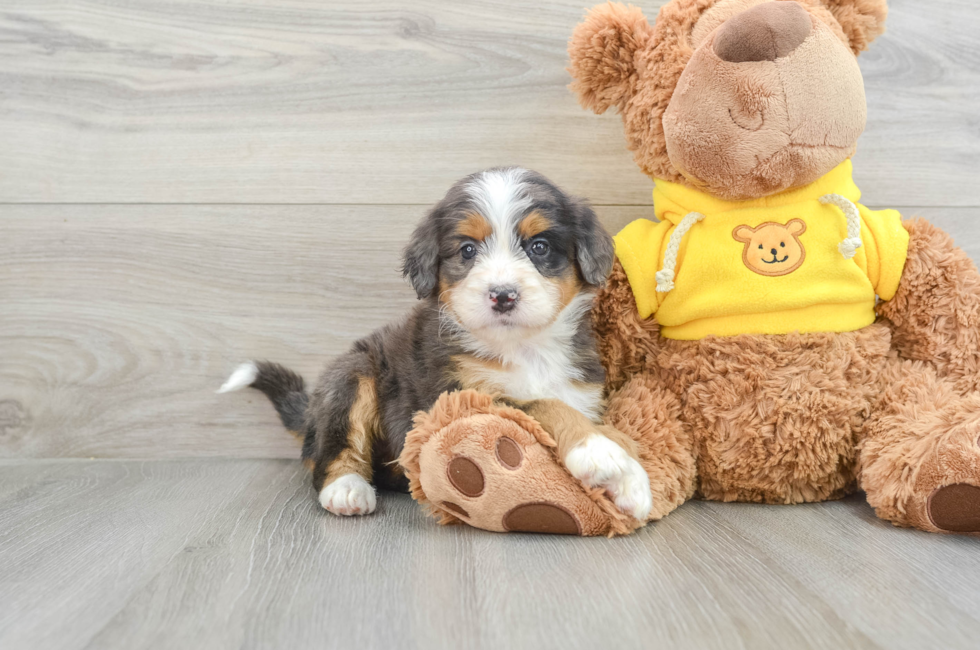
[{"x": 284, "y": 388}]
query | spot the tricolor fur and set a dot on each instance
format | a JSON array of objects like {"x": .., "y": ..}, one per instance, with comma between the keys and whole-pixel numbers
[{"x": 505, "y": 267}]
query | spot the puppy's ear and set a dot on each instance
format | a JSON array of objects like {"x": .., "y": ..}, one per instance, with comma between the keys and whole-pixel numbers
[
  {"x": 862, "y": 20},
  {"x": 421, "y": 263},
  {"x": 603, "y": 52},
  {"x": 593, "y": 245}
]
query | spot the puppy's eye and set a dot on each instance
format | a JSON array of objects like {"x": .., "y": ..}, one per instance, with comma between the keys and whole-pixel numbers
[
  {"x": 468, "y": 251},
  {"x": 540, "y": 248},
  {"x": 760, "y": 247},
  {"x": 782, "y": 244}
]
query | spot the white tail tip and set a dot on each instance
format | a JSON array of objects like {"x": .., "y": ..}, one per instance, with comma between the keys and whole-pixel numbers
[{"x": 243, "y": 377}]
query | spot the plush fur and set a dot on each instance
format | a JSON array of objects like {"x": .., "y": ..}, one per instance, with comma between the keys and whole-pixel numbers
[
  {"x": 893, "y": 409},
  {"x": 862, "y": 21},
  {"x": 935, "y": 316},
  {"x": 923, "y": 435},
  {"x": 618, "y": 60}
]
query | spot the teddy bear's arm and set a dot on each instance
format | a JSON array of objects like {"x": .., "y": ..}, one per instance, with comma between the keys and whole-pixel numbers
[
  {"x": 627, "y": 343},
  {"x": 935, "y": 314}
]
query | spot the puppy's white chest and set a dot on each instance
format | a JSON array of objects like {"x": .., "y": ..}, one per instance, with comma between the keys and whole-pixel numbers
[{"x": 530, "y": 375}]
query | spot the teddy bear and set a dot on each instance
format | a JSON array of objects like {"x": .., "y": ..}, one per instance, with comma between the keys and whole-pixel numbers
[{"x": 767, "y": 338}]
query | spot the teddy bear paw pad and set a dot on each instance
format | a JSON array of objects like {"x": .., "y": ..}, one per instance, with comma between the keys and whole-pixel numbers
[
  {"x": 541, "y": 518},
  {"x": 455, "y": 508},
  {"x": 466, "y": 476},
  {"x": 509, "y": 453},
  {"x": 956, "y": 508}
]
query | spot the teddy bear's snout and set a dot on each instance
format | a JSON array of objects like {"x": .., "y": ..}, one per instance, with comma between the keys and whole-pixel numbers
[{"x": 764, "y": 33}]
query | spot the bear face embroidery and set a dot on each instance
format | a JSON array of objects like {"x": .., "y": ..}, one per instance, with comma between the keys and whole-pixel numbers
[{"x": 772, "y": 248}]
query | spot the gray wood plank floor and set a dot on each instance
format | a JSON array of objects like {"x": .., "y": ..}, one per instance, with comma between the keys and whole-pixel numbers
[{"x": 237, "y": 554}]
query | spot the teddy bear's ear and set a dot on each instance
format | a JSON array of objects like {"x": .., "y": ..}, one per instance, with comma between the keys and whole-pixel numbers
[
  {"x": 862, "y": 20},
  {"x": 743, "y": 234},
  {"x": 603, "y": 52},
  {"x": 796, "y": 227}
]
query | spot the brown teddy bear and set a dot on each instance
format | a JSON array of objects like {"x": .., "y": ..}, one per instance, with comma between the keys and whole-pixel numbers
[
  {"x": 770, "y": 339},
  {"x": 791, "y": 387}
]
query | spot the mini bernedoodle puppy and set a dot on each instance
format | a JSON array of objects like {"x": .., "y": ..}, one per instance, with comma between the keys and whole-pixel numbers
[{"x": 506, "y": 267}]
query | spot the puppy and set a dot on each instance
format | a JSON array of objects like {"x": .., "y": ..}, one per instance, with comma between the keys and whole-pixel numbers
[{"x": 505, "y": 267}]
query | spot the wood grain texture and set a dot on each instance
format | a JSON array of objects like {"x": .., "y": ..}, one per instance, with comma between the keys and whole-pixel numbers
[
  {"x": 119, "y": 322},
  {"x": 294, "y": 101},
  {"x": 237, "y": 554}
]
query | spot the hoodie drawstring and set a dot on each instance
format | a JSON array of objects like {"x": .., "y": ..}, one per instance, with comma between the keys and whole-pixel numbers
[
  {"x": 848, "y": 247},
  {"x": 665, "y": 278}
]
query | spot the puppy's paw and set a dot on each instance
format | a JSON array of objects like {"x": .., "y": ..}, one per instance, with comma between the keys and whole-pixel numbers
[
  {"x": 600, "y": 462},
  {"x": 349, "y": 495}
]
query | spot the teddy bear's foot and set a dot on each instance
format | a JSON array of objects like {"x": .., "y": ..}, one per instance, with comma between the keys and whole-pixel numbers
[
  {"x": 920, "y": 465},
  {"x": 494, "y": 468},
  {"x": 493, "y": 474},
  {"x": 947, "y": 490}
]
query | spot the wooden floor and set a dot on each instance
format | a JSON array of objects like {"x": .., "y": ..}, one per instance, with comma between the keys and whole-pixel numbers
[
  {"x": 191, "y": 183},
  {"x": 237, "y": 554}
]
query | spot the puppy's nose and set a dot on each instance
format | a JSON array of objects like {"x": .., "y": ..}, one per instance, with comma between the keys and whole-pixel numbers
[
  {"x": 503, "y": 298},
  {"x": 774, "y": 251},
  {"x": 765, "y": 32}
]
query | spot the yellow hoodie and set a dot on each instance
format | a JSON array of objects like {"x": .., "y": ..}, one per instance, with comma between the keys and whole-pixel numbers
[{"x": 807, "y": 260}]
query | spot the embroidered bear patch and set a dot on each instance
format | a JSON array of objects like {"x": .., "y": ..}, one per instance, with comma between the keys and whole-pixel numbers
[{"x": 772, "y": 248}]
